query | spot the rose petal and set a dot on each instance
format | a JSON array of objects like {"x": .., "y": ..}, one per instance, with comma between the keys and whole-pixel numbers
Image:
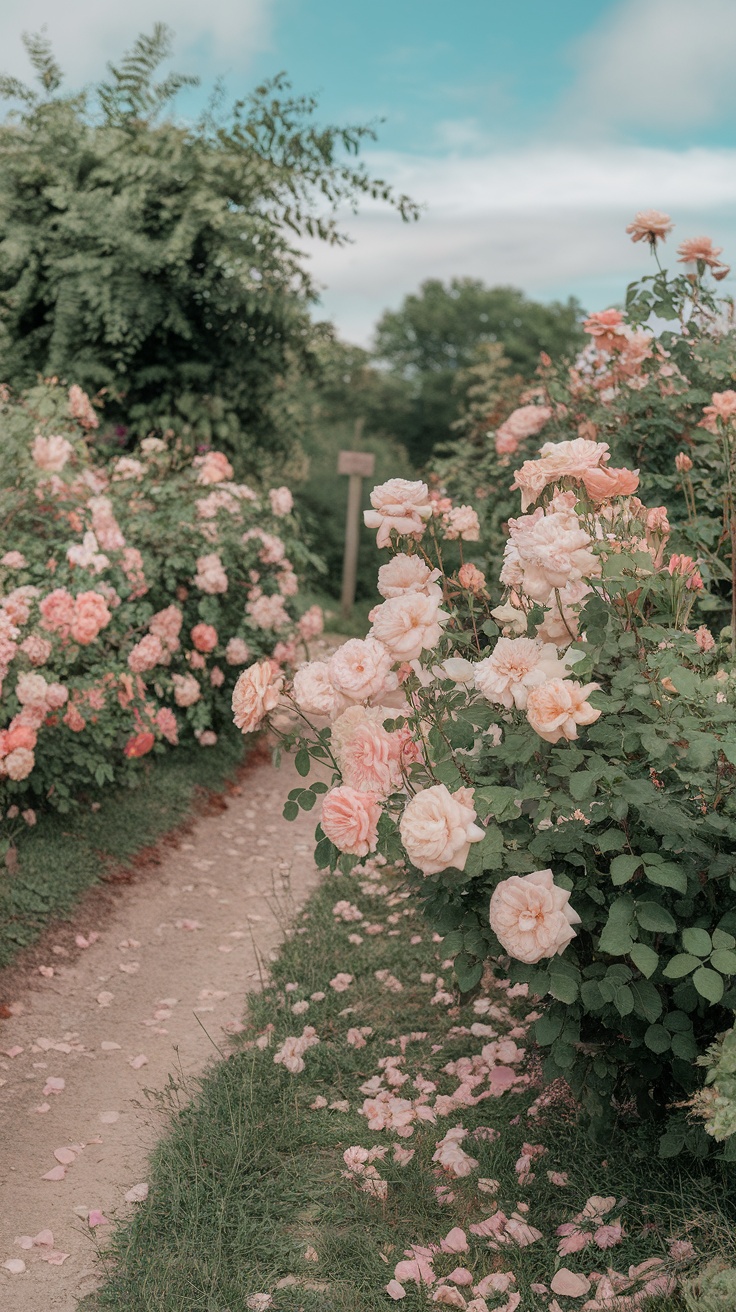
[
  {"x": 15, "y": 1265},
  {"x": 137, "y": 1062},
  {"x": 56, "y": 1173},
  {"x": 54, "y": 1258},
  {"x": 138, "y": 1194},
  {"x": 395, "y": 1290},
  {"x": 44, "y": 1239},
  {"x": 95, "y": 1217},
  {"x": 569, "y": 1283},
  {"x": 65, "y": 1156}
]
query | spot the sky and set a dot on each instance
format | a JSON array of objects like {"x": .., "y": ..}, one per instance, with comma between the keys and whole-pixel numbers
[{"x": 530, "y": 131}]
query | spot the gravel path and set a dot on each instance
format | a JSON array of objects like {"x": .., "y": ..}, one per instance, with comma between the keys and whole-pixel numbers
[{"x": 164, "y": 980}]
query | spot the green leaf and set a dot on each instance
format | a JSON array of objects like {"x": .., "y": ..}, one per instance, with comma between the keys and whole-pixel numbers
[
  {"x": 623, "y": 1000},
  {"x": 616, "y": 936},
  {"x": 611, "y": 841},
  {"x": 724, "y": 960},
  {"x": 302, "y": 762},
  {"x": 646, "y": 959},
  {"x": 647, "y": 1001},
  {"x": 624, "y": 867},
  {"x": 307, "y": 799},
  {"x": 290, "y": 811},
  {"x": 667, "y": 875},
  {"x": 684, "y": 1046},
  {"x": 672, "y": 1142},
  {"x": 547, "y": 1029},
  {"x": 709, "y": 984},
  {"x": 656, "y": 918},
  {"x": 562, "y": 984},
  {"x": 723, "y": 940},
  {"x": 657, "y": 1038},
  {"x": 452, "y": 943},
  {"x": 680, "y": 965},
  {"x": 697, "y": 941},
  {"x": 467, "y": 972}
]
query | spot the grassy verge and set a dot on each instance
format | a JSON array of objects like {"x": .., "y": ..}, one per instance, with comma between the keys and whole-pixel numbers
[
  {"x": 248, "y": 1188},
  {"x": 63, "y": 855}
]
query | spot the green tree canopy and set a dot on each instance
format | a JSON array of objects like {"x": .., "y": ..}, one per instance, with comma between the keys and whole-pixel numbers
[
  {"x": 435, "y": 337},
  {"x": 155, "y": 259}
]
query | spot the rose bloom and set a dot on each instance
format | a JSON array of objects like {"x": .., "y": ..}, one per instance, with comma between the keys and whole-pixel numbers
[
  {"x": 237, "y": 652},
  {"x": 398, "y": 505},
  {"x": 255, "y": 694},
  {"x": 17, "y": 736},
  {"x": 311, "y": 623},
  {"x": 313, "y": 690},
  {"x": 166, "y": 626},
  {"x": 438, "y": 827},
  {"x": 217, "y": 678},
  {"x": 558, "y": 460},
  {"x": 90, "y": 616},
  {"x": 525, "y": 421},
  {"x": 31, "y": 690},
  {"x": 686, "y": 567},
  {"x": 57, "y": 611},
  {"x": 699, "y": 250},
  {"x": 515, "y": 666},
  {"x": 105, "y": 524},
  {"x": 145, "y": 654},
  {"x": 651, "y": 226},
  {"x": 361, "y": 670},
  {"x": 602, "y": 484},
  {"x": 204, "y": 637},
  {"x": 186, "y": 689},
  {"x": 549, "y": 551},
  {"x": 139, "y": 745},
  {"x": 462, "y": 522},
  {"x": 196, "y": 660},
  {"x": 56, "y": 696},
  {"x": 531, "y": 916},
  {"x": 723, "y": 407},
  {"x": 683, "y": 463},
  {"x": 556, "y": 709},
  {"x": 368, "y": 756},
  {"x": 214, "y": 467},
  {"x": 288, "y": 583},
  {"x": 80, "y": 407},
  {"x": 404, "y": 574},
  {"x": 127, "y": 467},
  {"x": 350, "y": 820},
  {"x": 37, "y": 649},
  {"x": 282, "y": 502},
  {"x": 132, "y": 565},
  {"x": 470, "y": 577},
  {"x": 268, "y": 612},
  {"x": 167, "y": 726},
  {"x": 605, "y": 327},
  {"x": 704, "y": 638},
  {"x": 210, "y": 577},
  {"x": 18, "y": 764},
  {"x": 408, "y": 625},
  {"x": 561, "y": 623},
  {"x": 74, "y": 720},
  {"x": 13, "y": 560},
  {"x": 51, "y": 453}
]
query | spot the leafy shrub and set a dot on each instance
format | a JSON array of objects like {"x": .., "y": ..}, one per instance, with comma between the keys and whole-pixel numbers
[
  {"x": 715, "y": 1104},
  {"x": 131, "y": 593}
]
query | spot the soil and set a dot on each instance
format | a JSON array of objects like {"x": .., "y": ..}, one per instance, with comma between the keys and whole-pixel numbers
[{"x": 152, "y": 1000}]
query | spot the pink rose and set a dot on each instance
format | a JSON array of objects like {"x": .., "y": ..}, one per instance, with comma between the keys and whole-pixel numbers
[
  {"x": 18, "y": 764},
  {"x": 186, "y": 689},
  {"x": 105, "y": 525},
  {"x": 697, "y": 250},
  {"x": 51, "y": 453},
  {"x": 602, "y": 484},
  {"x": 311, "y": 623},
  {"x": 404, "y": 574},
  {"x": 651, "y": 226},
  {"x": 214, "y": 467},
  {"x": 145, "y": 654},
  {"x": 408, "y": 625},
  {"x": 56, "y": 696},
  {"x": 438, "y": 828},
  {"x": 704, "y": 638},
  {"x": 237, "y": 652},
  {"x": 268, "y": 612},
  {"x": 723, "y": 407},
  {"x": 313, "y": 690},
  {"x": 31, "y": 690},
  {"x": 282, "y": 502},
  {"x": 350, "y": 820},
  {"x": 471, "y": 578},
  {"x": 398, "y": 505},
  {"x": 204, "y": 637},
  {"x": 166, "y": 626},
  {"x": 57, "y": 612},
  {"x": 548, "y": 551},
  {"x": 167, "y": 726},
  {"x": 210, "y": 577},
  {"x": 90, "y": 616},
  {"x": 13, "y": 560},
  {"x": 526, "y": 421},
  {"x": 360, "y": 670},
  {"x": 368, "y": 756},
  {"x": 462, "y": 522},
  {"x": 37, "y": 649},
  {"x": 217, "y": 678},
  {"x": 558, "y": 460},
  {"x": 605, "y": 327},
  {"x": 558, "y": 707},
  {"x": 254, "y": 695},
  {"x": 515, "y": 666},
  {"x": 80, "y": 407},
  {"x": 531, "y": 916}
]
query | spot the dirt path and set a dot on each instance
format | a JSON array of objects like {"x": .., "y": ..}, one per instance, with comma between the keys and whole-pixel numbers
[{"x": 170, "y": 967}]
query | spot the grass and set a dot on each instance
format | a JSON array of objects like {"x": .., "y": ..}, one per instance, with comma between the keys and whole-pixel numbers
[
  {"x": 355, "y": 626},
  {"x": 64, "y": 855},
  {"x": 247, "y": 1177}
]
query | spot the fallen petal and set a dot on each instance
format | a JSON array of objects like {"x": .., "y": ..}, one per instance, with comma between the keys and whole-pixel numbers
[
  {"x": 138, "y": 1194},
  {"x": 44, "y": 1239},
  {"x": 15, "y": 1265},
  {"x": 137, "y": 1062},
  {"x": 395, "y": 1290},
  {"x": 95, "y": 1217},
  {"x": 56, "y": 1173},
  {"x": 54, "y": 1258},
  {"x": 65, "y": 1156},
  {"x": 569, "y": 1283}
]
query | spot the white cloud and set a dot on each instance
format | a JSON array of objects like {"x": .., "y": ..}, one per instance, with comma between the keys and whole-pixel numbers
[
  {"x": 656, "y": 64},
  {"x": 550, "y": 222},
  {"x": 85, "y": 34}
]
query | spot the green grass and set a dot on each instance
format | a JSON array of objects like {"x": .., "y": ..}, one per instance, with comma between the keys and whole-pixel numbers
[
  {"x": 64, "y": 855},
  {"x": 247, "y": 1176},
  {"x": 356, "y": 626}
]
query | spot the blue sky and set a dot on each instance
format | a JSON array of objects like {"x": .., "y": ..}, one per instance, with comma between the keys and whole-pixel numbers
[{"x": 531, "y": 130}]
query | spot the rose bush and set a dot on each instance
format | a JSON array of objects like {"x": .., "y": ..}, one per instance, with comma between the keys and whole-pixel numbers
[
  {"x": 133, "y": 591},
  {"x": 563, "y": 789}
]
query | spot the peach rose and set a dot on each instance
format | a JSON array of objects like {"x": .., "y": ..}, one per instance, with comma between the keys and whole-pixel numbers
[
  {"x": 462, "y": 522},
  {"x": 18, "y": 764},
  {"x": 13, "y": 560},
  {"x": 408, "y": 625},
  {"x": 282, "y": 502},
  {"x": 548, "y": 551},
  {"x": 204, "y": 637},
  {"x": 558, "y": 707},
  {"x": 57, "y": 696},
  {"x": 255, "y": 694},
  {"x": 360, "y": 670},
  {"x": 438, "y": 827},
  {"x": 37, "y": 649},
  {"x": 515, "y": 666},
  {"x": 105, "y": 525},
  {"x": 404, "y": 574},
  {"x": 605, "y": 326},
  {"x": 57, "y": 612},
  {"x": 51, "y": 453},
  {"x": 313, "y": 690},
  {"x": 350, "y": 820},
  {"x": 214, "y": 467},
  {"x": 139, "y": 745},
  {"x": 17, "y": 736},
  {"x": 311, "y": 623},
  {"x": 602, "y": 484},
  {"x": 237, "y": 652},
  {"x": 398, "y": 505},
  {"x": 561, "y": 623},
  {"x": 268, "y": 612},
  {"x": 723, "y": 407},
  {"x": 651, "y": 226},
  {"x": 186, "y": 689},
  {"x": 704, "y": 638},
  {"x": 701, "y": 250},
  {"x": 167, "y": 726},
  {"x": 526, "y": 421},
  {"x": 90, "y": 616},
  {"x": 146, "y": 654},
  {"x": 471, "y": 578},
  {"x": 80, "y": 407},
  {"x": 683, "y": 463},
  {"x": 166, "y": 625},
  {"x": 210, "y": 577},
  {"x": 531, "y": 916},
  {"x": 31, "y": 690},
  {"x": 558, "y": 460},
  {"x": 368, "y": 756}
]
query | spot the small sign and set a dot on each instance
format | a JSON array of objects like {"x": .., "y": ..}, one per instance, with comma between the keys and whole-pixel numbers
[{"x": 356, "y": 462}]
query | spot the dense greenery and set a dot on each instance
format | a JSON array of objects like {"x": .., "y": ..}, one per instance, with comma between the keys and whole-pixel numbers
[
  {"x": 436, "y": 334},
  {"x": 154, "y": 259}
]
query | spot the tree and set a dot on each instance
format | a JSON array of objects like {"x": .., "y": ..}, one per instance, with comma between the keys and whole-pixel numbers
[
  {"x": 436, "y": 333},
  {"x": 153, "y": 260}
]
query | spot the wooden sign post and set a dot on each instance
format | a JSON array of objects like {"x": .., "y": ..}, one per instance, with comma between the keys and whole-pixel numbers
[{"x": 357, "y": 465}]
